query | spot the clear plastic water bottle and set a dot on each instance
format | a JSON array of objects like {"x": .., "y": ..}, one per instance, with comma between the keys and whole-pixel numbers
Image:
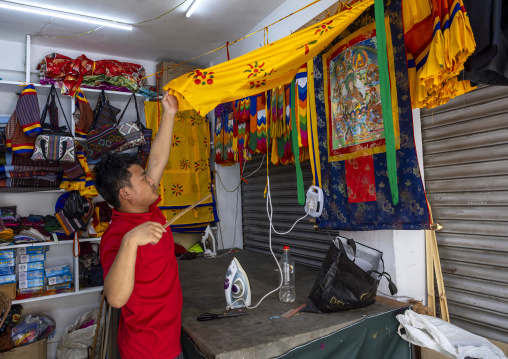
[{"x": 287, "y": 293}]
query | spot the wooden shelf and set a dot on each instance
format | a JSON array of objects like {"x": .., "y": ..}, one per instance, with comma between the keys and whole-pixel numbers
[
  {"x": 50, "y": 243},
  {"x": 17, "y": 86},
  {"x": 31, "y": 190},
  {"x": 54, "y": 296}
]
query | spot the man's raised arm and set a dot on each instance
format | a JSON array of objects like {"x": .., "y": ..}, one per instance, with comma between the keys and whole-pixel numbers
[{"x": 161, "y": 146}]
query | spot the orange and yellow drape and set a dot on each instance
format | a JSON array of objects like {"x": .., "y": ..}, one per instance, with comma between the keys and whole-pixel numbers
[{"x": 439, "y": 39}]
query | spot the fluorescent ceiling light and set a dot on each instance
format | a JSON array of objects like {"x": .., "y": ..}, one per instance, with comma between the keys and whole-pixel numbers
[
  {"x": 193, "y": 7},
  {"x": 64, "y": 15}
]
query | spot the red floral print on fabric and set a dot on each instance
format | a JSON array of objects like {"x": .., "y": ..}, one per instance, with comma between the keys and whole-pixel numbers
[
  {"x": 257, "y": 83},
  {"x": 360, "y": 179},
  {"x": 321, "y": 29},
  {"x": 307, "y": 48},
  {"x": 185, "y": 164},
  {"x": 177, "y": 190},
  {"x": 201, "y": 165},
  {"x": 176, "y": 141},
  {"x": 257, "y": 69},
  {"x": 181, "y": 116},
  {"x": 202, "y": 78}
]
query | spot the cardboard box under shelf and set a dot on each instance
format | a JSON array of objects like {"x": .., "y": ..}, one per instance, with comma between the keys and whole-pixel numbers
[
  {"x": 9, "y": 289},
  {"x": 170, "y": 73},
  {"x": 37, "y": 350}
]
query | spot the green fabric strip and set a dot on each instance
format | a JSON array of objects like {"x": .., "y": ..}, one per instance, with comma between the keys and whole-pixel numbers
[
  {"x": 384, "y": 80},
  {"x": 296, "y": 149}
]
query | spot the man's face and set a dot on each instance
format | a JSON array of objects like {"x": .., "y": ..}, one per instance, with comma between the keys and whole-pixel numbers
[{"x": 143, "y": 188}]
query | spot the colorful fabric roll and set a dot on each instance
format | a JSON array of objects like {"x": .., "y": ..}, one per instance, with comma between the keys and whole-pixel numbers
[
  {"x": 27, "y": 109},
  {"x": 17, "y": 141},
  {"x": 70, "y": 225},
  {"x": 83, "y": 115}
]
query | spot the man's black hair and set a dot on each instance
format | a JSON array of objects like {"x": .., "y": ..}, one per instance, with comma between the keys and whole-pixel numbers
[{"x": 111, "y": 174}]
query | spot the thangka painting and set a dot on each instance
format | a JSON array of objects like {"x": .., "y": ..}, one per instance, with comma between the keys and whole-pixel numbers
[
  {"x": 355, "y": 122},
  {"x": 351, "y": 131}
]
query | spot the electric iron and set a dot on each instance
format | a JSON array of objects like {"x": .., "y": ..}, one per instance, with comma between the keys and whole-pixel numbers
[
  {"x": 237, "y": 286},
  {"x": 208, "y": 242}
]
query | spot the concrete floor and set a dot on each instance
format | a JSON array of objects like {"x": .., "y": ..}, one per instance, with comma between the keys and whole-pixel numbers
[{"x": 258, "y": 334}]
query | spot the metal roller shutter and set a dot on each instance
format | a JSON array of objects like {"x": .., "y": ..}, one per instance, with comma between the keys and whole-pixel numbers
[
  {"x": 306, "y": 244},
  {"x": 465, "y": 155}
]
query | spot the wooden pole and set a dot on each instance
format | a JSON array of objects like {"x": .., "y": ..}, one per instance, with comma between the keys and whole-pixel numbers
[
  {"x": 434, "y": 267},
  {"x": 431, "y": 296},
  {"x": 187, "y": 210}
]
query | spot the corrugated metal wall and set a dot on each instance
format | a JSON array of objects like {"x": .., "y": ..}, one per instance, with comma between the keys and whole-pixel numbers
[
  {"x": 306, "y": 245},
  {"x": 465, "y": 155}
]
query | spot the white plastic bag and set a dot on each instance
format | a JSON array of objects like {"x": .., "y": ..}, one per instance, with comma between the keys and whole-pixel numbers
[
  {"x": 445, "y": 338},
  {"x": 75, "y": 342}
]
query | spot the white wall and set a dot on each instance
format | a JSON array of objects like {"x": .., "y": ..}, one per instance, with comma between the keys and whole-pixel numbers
[
  {"x": 277, "y": 31},
  {"x": 12, "y": 67}
]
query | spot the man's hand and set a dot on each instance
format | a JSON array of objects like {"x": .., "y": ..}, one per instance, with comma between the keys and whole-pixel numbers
[
  {"x": 146, "y": 233},
  {"x": 169, "y": 104}
]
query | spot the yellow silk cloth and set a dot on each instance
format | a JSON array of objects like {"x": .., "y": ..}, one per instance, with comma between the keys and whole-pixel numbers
[
  {"x": 439, "y": 39},
  {"x": 186, "y": 178},
  {"x": 260, "y": 70}
]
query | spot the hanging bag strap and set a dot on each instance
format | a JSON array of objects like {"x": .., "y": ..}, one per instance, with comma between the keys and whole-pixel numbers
[
  {"x": 125, "y": 109},
  {"x": 64, "y": 151},
  {"x": 51, "y": 99},
  {"x": 140, "y": 124},
  {"x": 350, "y": 242}
]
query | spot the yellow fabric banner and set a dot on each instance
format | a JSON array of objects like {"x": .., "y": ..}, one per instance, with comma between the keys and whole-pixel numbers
[
  {"x": 186, "y": 178},
  {"x": 260, "y": 70}
]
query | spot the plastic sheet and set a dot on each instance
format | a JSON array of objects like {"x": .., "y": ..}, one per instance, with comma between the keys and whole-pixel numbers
[
  {"x": 33, "y": 328},
  {"x": 445, "y": 338}
]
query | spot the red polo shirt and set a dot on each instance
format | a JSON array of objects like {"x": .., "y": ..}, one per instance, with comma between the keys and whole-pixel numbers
[{"x": 150, "y": 323}]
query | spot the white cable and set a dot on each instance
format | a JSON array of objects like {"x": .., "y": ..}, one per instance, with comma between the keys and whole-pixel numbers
[
  {"x": 256, "y": 169},
  {"x": 394, "y": 296},
  {"x": 269, "y": 211}
]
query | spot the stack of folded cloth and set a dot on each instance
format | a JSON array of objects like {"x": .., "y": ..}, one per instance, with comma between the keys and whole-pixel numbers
[
  {"x": 71, "y": 74},
  {"x": 15, "y": 229},
  {"x": 21, "y": 171}
]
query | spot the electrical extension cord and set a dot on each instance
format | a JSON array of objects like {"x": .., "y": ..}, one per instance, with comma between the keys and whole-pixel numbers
[{"x": 269, "y": 211}]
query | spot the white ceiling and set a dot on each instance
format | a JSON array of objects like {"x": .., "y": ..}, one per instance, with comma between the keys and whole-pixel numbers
[{"x": 172, "y": 37}]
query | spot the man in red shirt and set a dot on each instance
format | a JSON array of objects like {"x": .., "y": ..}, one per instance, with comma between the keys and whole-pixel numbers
[{"x": 137, "y": 252}]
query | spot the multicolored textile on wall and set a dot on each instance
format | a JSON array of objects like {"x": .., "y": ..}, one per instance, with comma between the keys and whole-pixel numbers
[
  {"x": 261, "y": 124},
  {"x": 352, "y": 162},
  {"x": 258, "y": 127},
  {"x": 266, "y": 68},
  {"x": 187, "y": 177},
  {"x": 439, "y": 40},
  {"x": 224, "y": 134}
]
